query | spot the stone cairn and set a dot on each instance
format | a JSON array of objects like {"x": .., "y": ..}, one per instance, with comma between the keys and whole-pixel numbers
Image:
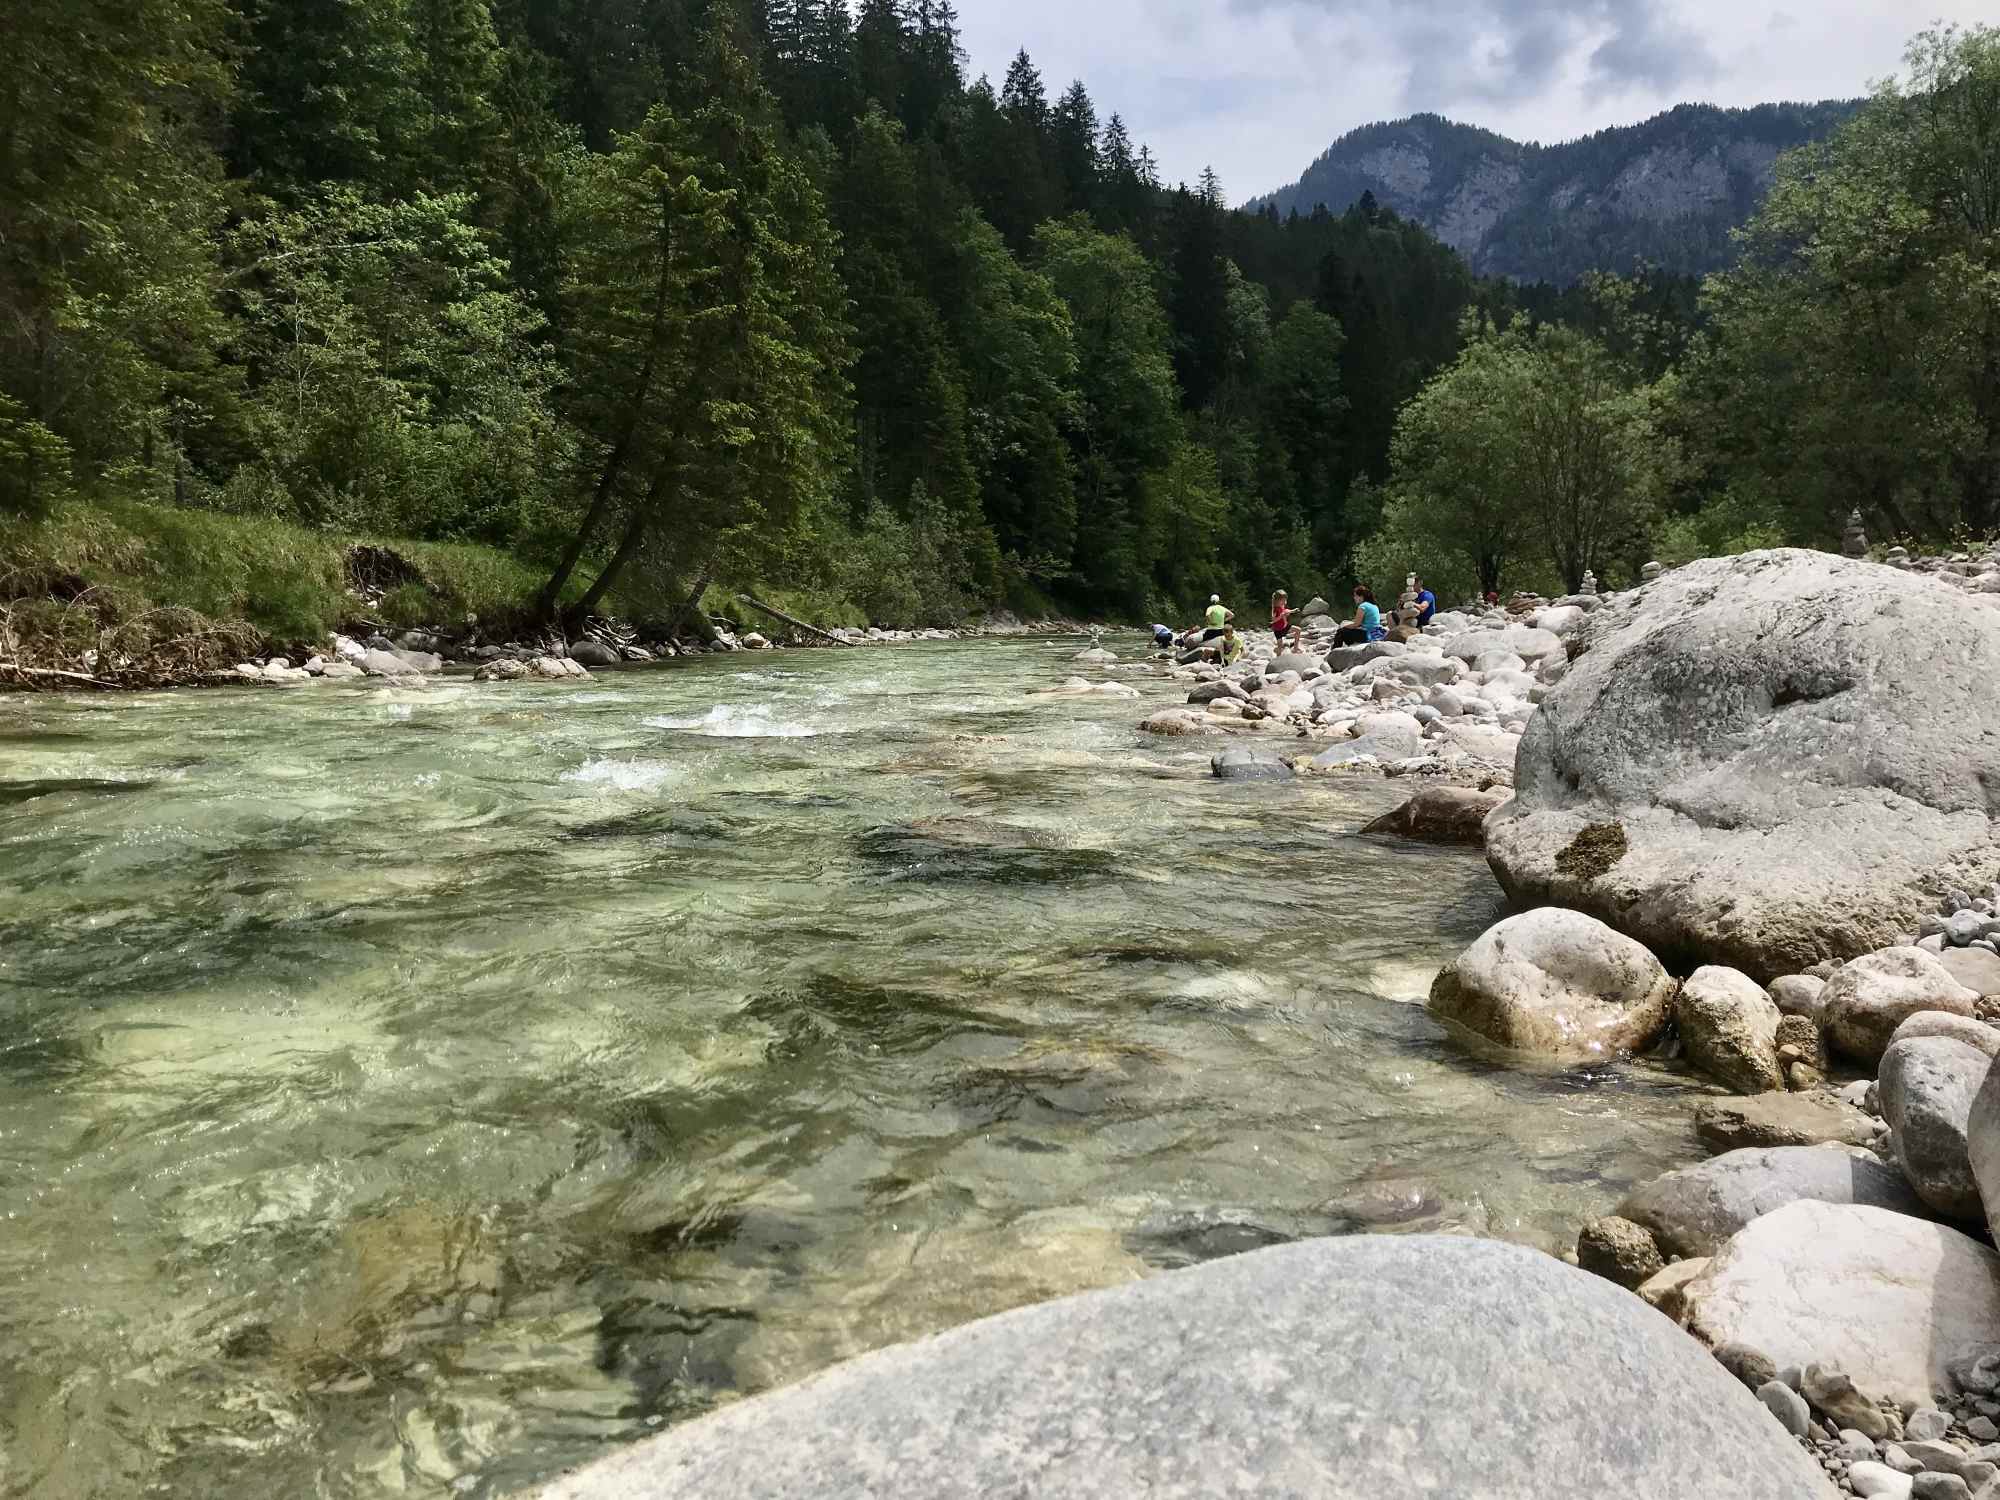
[
  {"x": 1406, "y": 607},
  {"x": 1854, "y": 541},
  {"x": 1589, "y": 583},
  {"x": 1651, "y": 572}
]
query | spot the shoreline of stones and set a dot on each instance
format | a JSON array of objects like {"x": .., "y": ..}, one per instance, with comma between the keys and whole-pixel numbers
[
  {"x": 1843, "y": 1207},
  {"x": 416, "y": 656}
]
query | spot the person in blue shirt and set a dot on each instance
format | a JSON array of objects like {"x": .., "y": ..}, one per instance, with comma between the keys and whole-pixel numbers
[
  {"x": 1427, "y": 604},
  {"x": 1367, "y": 622}
]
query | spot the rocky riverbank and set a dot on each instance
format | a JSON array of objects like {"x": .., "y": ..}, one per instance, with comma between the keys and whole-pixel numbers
[
  {"x": 1751, "y": 822},
  {"x": 1746, "y": 812},
  {"x": 417, "y": 655}
]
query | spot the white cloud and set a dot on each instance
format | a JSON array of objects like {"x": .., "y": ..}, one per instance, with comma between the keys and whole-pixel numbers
[{"x": 1258, "y": 88}]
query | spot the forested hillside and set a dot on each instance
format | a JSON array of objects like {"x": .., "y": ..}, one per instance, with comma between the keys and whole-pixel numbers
[
  {"x": 655, "y": 292},
  {"x": 593, "y": 304},
  {"x": 1665, "y": 193}
]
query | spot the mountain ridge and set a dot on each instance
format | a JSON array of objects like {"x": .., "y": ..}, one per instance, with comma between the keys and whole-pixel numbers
[{"x": 1665, "y": 192}]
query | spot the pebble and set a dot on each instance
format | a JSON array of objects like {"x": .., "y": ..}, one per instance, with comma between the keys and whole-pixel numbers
[
  {"x": 1787, "y": 1405},
  {"x": 1982, "y": 1430},
  {"x": 1940, "y": 1487},
  {"x": 1927, "y": 1425},
  {"x": 1855, "y": 1446},
  {"x": 1877, "y": 1479},
  {"x": 1899, "y": 1460},
  {"x": 1962, "y": 930}
]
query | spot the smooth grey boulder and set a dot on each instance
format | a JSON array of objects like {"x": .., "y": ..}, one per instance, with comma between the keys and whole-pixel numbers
[
  {"x": 1729, "y": 1027},
  {"x": 1892, "y": 1301},
  {"x": 1961, "y": 1029},
  {"x": 1800, "y": 995},
  {"x": 1347, "y": 658},
  {"x": 1524, "y": 641},
  {"x": 1339, "y": 1369},
  {"x": 1391, "y": 745},
  {"x": 1238, "y": 764},
  {"x": 595, "y": 654},
  {"x": 1865, "y": 1001},
  {"x": 1559, "y": 984},
  {"x": 1806, "y": 1119},
  {"x": 1210, "y": 692},
  {"x": 1766, "y": 761},
  {"x": 1927, "y": 1087},
  {"x": 1699, "y": 1209},
  {"x": 379, "y": 663},
  {"x": 1975, "y": 968},
  {"x": 1297, "y": 662}
]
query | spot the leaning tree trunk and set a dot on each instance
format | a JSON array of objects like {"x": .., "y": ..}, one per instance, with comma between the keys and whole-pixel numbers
[{"x": 691, "y": 611}]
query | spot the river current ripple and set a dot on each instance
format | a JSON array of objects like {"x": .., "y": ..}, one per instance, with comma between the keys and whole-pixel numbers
[{"x": 415, "y": 1093}]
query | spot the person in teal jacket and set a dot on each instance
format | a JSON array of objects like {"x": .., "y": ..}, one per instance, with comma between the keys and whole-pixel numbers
[{"x": 1367, "y": 622}]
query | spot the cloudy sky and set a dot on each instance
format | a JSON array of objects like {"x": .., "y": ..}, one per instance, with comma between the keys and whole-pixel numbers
[{"x": 1259, "y": 88}]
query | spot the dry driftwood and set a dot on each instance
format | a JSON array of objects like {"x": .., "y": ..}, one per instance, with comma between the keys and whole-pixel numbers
[{"x": 796, "y": 624}]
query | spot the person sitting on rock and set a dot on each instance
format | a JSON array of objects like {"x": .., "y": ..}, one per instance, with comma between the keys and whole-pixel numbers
[
  {"x": 1281, "y": 618},
  {"x": 1427, "y": 604},
  {"x": 1367, "y": 622},
  {"x": 1218, "y": 618},
  {"x": 1230, "y": 646}
]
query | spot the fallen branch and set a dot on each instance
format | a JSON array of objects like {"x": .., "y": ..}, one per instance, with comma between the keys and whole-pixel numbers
[
  {"x": 779, "y": 614},
  {"x": 87, "y": 681}
]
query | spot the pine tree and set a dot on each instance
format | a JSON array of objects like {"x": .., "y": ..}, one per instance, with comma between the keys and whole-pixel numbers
[{"x": 1074, "y": 139}]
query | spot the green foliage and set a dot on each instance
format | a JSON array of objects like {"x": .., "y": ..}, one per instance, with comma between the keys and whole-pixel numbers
[
  {"x": 649, "y": 299},
  {"x": 1853, "y": 354},
  {"x": 1537, "y": 443}
]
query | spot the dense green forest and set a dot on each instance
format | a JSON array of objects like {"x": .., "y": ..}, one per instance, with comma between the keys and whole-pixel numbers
[{"x": 640, "y": 296}]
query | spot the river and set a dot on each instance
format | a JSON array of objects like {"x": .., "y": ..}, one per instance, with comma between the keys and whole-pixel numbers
[{"x": 414, "y": 1093}]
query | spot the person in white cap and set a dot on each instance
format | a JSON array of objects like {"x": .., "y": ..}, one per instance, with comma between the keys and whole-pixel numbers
[{"x": 1219, "y": 619}]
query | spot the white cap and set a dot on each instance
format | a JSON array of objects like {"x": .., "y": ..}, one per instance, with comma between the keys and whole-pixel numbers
[{"x": 1215, "y": 598}]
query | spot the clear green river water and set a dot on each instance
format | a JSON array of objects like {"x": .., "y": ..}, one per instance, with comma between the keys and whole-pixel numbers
[{"x": 416, "y": 1093}]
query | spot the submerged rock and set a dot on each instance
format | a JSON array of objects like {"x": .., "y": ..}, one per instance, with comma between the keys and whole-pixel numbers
[
  {"x": 1805, "y": 1119},
  {"x": 1793, "y": 747},
  {"x": 1238, "y": 764},
  {"x": 1559, "y": 984},
  {"x": 1441, "y": 815},
  {"x": 1893, "y": 1301},
  {"x": 1344, "y": 1368}
]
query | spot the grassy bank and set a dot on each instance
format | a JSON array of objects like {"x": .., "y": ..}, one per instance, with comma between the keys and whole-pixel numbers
[{"x": 290, "y": 584}]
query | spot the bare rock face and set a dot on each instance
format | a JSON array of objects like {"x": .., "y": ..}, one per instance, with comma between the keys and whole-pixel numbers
[
  {"x": 1767, "y": 761},
  {"x": 1559, "y": 984}
]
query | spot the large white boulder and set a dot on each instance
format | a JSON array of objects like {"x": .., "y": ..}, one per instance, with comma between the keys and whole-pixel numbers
[
  {"x": 1767, "y": 761},
  {"x": 1865, "y": 1001},
  {"x": 1558, "y": 984},
  {"x": 1336, "y": 1369},
  {"x": 1893, "y": 1301}
]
